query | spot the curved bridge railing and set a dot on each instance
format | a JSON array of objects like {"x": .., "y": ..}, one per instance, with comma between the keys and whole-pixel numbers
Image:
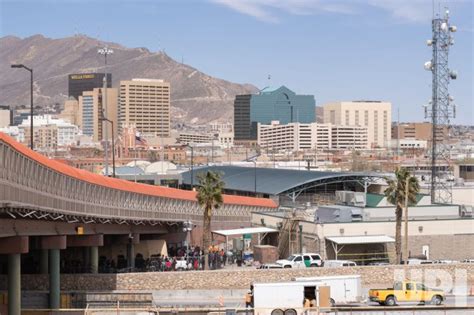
[{"x": 31, "y": 185}]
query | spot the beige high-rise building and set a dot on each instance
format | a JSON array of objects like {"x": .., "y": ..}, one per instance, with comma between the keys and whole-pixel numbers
[
  {"x": 375, "y": 115},
  {"x": 90, "y": 109},
  {"x": 71, "y": 112},
  {"x": 145, "y": 103},
  {"x": 5, "y": 116},
  {"x": 418, "y": 131}
]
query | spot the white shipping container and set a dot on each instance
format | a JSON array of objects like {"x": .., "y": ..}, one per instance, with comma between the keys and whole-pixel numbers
[
  {"x": 344, "y": 289},
  {"x": 281, "y": 295}
]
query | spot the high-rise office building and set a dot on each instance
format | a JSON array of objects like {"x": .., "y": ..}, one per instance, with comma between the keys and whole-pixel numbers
[
  {"x": 6, "y": 116},
  {"x": 91, "y": 109},
  {"x": 145, "y": 103},
  {"x": 269, "y": 105},
  {"x": 375, "y": 115},
  {"x": 82, "y": 82}
]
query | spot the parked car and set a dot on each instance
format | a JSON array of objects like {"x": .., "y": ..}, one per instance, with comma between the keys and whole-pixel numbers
[
  {"x": 445, "y": 261},
  {"x": 301, "y": 261},
  {"x": 406, "y": 291},
  {"x": 339, "y": 263},
  {"x": 468, "y": 261},
  {"x": 378, "y": 263},
  {"x": 181, "y": 264},
  {"x": 270, "y": 266}
]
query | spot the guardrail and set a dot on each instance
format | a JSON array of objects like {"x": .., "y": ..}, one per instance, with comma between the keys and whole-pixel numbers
[{"x": 234, "y": 311}]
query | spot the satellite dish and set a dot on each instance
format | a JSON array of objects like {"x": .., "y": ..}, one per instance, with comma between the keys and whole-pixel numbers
[
  {"x": 429, "y": 42},
  {"x": 444, "y": 26}
]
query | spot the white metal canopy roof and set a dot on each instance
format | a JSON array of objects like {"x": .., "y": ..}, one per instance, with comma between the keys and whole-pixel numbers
[
  {"x": 364, "y": 239},
  {"x": 250, "y": 230}
]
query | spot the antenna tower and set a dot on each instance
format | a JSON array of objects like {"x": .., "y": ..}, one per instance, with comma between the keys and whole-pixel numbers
[{"x": 441, "y": 108}]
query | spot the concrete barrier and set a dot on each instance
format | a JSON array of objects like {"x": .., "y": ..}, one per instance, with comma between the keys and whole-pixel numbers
[{"x": 231, "y": 279}]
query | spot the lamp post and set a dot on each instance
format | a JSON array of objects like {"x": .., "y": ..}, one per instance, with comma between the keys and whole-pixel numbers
[
  {"x": 192, "y": 165},
  {"x": 407, "y": 191},
  {"x": 105, "y": 52},
  {"x": 113, "y": 145},
  {"x": 255, "y": 177},
  {"x": 31, "y": 99}
]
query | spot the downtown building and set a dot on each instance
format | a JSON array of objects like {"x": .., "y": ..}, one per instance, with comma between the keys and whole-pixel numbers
[
  {"x": 300, "y": 137},
  {"x": 418, "y": 131},
  {"x": 82, "y": 82},
  {"x": 269, "y": 105},
  {"x": 375, "y": 115},
  {"x": 145, "y": 104},
  {"x": 48, "y": 133},
  {"x": 91, "y": 109}
]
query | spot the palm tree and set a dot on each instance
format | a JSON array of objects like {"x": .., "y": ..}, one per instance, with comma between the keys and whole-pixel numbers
[
  {"x": 395, "y": 194},
  {"x": 209, "y": 197}
]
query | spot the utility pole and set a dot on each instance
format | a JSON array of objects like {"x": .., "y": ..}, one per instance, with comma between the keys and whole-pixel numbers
[
  {"x": 407, "y": 190},
  {"x": 105, "y": 51}
]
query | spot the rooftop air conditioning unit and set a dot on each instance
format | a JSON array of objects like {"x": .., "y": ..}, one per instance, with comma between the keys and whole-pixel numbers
[{"x": 466, "y": 211}]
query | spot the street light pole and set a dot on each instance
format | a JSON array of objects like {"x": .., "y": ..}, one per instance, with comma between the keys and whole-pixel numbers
[
  {"x": 192, "y": 164},
  {"x": 255, "y": 177},
  {"x": 31, "y": 100},
  {"x": 113, "y": 145},
  {"x": 407, "y": 189},
  {"x": 105, "y": 52}
]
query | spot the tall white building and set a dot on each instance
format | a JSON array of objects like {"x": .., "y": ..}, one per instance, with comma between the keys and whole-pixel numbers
[
  {"x": 375, "y": 115},
  {"x": 349, "y": 137},
  {"x": 300, "y": 136}
]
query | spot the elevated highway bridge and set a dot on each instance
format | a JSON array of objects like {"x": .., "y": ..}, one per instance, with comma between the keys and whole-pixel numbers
[{"x": 50, "y": 211}]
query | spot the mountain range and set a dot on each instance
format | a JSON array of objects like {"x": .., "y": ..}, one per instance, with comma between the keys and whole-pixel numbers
[{"x": 196, "y": 97}]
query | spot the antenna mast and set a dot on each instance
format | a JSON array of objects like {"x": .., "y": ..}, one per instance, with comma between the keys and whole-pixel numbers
[{"x": 442, "y": 108}]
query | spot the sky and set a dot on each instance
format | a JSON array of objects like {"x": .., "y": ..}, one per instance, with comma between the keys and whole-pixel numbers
[{"x": 334, "y": 49}]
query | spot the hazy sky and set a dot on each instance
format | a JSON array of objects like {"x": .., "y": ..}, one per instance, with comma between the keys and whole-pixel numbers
[{"x": 336, "y": 50}]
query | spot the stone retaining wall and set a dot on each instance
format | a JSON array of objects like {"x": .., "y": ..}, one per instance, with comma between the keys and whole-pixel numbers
[{"x": 235, "y": 278}]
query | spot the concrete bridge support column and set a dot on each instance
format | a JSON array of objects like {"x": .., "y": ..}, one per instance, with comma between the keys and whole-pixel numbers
[
  {"x": 131, "y": 255},
  {"x": 44, "y": 261},
  {"x": 14, "y": 284},
  {"x": 14, "y": 246},
  {"x": 54, "y": 279},
  {"x": 54, "y": 244},
  {"x": 91, "y": 244},
  {"x": 94, "y": 259}
]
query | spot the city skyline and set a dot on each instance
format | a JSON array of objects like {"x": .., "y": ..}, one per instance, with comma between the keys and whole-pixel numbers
[{"x": 380, "y": 59}]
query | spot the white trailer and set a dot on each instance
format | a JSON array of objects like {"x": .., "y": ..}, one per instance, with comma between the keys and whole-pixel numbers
[
  {"x": 282, "y": 297},
  {"x": 344, "y": 289}
]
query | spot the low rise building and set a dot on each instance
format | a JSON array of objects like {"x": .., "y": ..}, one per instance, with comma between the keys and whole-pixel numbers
[
  {"x": 349, "y": 137},
  {"x": 299, "y": 136},
  {"x": 49, "y": 133}
]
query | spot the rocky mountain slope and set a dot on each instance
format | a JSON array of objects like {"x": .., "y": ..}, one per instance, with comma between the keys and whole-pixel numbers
[{"x": 195, "y": 96}]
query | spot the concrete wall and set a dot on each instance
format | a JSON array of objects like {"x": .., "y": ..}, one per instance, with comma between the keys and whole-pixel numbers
[
  {"x": 448, "y": 239},
  {"x": 232, "y": 279}
]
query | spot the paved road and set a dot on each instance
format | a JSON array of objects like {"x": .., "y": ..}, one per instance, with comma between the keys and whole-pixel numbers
[{"x": 235, "y": 298}]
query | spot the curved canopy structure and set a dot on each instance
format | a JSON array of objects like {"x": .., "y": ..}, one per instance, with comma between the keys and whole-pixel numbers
[{"x": 274, "y": 181}]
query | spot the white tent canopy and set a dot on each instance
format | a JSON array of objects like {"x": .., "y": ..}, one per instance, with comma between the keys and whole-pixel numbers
[
  {"x": 338, "y": 242},
  {"x": 250, "y": 230},
  {"x": 364, "y": 239}
]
